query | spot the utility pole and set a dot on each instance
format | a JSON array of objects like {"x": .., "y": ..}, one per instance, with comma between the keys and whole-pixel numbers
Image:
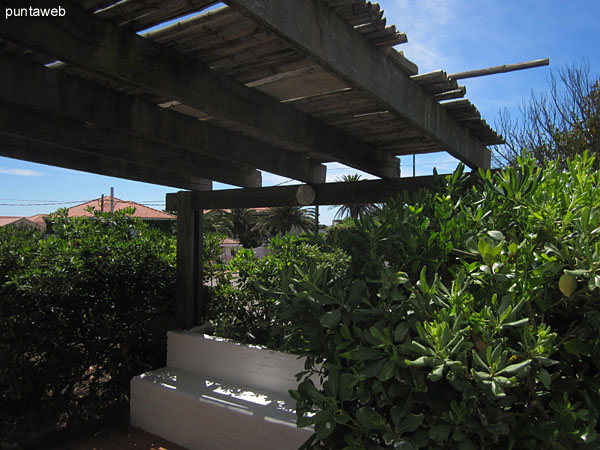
[{"x": 112, "y": 200}]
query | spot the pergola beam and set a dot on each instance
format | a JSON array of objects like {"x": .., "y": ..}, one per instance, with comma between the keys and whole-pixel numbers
[
  {"x": 58, "y": 93},
  {"x": 28, "y": 123},
  {"x": 368, "y": 191},
  {"x": 318, "y": 31},
  {"x": 190, "y": 236},
  {"x": 42, "y": 153},
  {"x": 100, "y": 46}
]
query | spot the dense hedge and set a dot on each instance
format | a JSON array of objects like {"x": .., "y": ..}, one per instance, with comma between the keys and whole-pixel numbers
[
  {"x": 242, "y": 307},
  {"x": 82, "y": 310},
  {"x": 469, "y": 318}
]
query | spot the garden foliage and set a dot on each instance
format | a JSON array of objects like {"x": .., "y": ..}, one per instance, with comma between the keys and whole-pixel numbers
[
  {"x": 469, "y": 318},
  {"x": 82, "y": 310},
  {"x": 242, "y": 307}
]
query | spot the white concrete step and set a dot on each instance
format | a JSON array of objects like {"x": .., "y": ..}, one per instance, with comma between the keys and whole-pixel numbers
[
  {"x": 219, "y": 395},
  {"x": 232, "y": 362}
]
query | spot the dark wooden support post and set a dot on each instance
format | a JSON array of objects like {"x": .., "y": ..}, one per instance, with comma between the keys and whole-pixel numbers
[{"x": 189, "y": 260}]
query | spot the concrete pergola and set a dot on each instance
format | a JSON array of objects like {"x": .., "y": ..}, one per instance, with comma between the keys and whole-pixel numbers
[{"x": 281, "y": 86}]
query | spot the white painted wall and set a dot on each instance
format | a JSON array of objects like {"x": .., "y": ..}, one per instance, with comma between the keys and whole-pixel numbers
[{"x": 217, "y": 395}]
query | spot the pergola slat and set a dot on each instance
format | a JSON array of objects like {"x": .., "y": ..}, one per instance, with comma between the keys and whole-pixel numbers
[{"x": 319, "y": 32}]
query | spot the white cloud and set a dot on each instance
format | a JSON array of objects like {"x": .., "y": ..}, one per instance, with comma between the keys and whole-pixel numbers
[
  {"x": 22, "y": 172},
  {"x": 426, "y": 23}
]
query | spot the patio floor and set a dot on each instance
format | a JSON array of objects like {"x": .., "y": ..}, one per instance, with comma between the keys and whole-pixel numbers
[{"x": 124, "y": 439}]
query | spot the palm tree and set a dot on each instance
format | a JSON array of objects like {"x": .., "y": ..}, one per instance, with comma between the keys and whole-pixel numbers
[
  {"x": 283, "y": 219},
  {"x": 238, "y": 223},
  {"x": 351, "y": 209}
]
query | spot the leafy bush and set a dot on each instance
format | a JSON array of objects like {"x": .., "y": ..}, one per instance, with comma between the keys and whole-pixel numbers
[
  {"x": 470, "y": 321},
  {"x": 242, "y": 306},
  {"x": 82, "y": 310}
]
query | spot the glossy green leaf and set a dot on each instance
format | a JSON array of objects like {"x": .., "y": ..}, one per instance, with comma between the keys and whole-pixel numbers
[
  {"x": 436, "y": 374},
  {"x": 363, "y": 353},
  {"x": 401, "y": 331},
  {"x": 410, "y": 423},
  {"x": 347, "y": 385},
  {"x": 496, "y": 235},
  {"x": 440, "y": 432},
  {"x": 574, "y": 346},
  {"x": 514, "y": 368},
  {"x": 331, "y": 319},
  {"x": 544, "y": 377},
  {"x": 369, "y": 418},
  {"x": 567, "y": 284}
]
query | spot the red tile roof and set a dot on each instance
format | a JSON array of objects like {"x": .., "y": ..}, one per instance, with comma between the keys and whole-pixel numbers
[
  {"x": 39, "y": 219},
  {"x": 141, "y": 211},
  {"x": 7, "y": 220},
  {"x": 21, "y": 221}
]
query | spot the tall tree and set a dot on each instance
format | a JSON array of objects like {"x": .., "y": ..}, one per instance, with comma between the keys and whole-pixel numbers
[
  {"x": 283, "y": 219},
  {"x": 238, "y": 223},
  {"x": 351, "y": 209},
  {"x": 557, "y": 124}
]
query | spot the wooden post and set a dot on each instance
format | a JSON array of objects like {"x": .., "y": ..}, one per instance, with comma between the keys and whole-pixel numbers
[{"x": 189, "y": 260}]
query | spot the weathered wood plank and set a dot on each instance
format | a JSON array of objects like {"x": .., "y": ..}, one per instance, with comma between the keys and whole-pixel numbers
[
  {"x": 499, "y": 69},
  {"x": 18, "y": 120},
  {"x": 100, "y": 46},
  {"x": 41, "y": 153},
  {"x": 58, "y": 93},
  {"x": 369, "y": 191},
  {"x": 137, "y": 15},
  {"x": 189, "y": 260},
  {"x": 318, "y": 31}
]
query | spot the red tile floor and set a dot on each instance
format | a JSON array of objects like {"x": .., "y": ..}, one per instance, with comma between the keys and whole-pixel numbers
[{"x": 122, "y": 439}]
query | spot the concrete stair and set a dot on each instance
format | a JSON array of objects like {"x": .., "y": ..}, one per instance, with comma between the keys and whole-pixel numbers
[{"x": 219, "y": 395}]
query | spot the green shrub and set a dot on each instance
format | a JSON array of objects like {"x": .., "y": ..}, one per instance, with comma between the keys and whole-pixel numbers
[
  {"x": 82, "y": 310},
  {"x": 471, "y": 320},
  {"x": 242, "y": 306}
]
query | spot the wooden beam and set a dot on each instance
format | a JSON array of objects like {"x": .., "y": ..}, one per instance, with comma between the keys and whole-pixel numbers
[
  {"x": 26, "y": 150},
  {"x": 319, "y": 32},
  {"x": 368, "y": 191},
  {"x": 190, "y": 219},
  {"x": 19, "y": 120},
  {"x": 100, "y": 46},
  {"x": 58, "y": 93},
  {"x": 499, "y": 69}
]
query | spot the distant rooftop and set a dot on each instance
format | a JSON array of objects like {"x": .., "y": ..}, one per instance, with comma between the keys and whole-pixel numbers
[
  {"x": 22, "y": 221},
  {"x": 141, "y": 211}
]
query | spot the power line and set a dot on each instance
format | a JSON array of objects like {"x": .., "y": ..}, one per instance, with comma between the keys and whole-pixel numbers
[
  {"x": 42, "y": 200},
  {"x": 24, "y": 202},
  {"x": 38, "y": 204}
]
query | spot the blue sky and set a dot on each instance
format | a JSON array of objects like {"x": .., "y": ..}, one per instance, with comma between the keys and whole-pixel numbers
[{"x": 452, "y": 35}]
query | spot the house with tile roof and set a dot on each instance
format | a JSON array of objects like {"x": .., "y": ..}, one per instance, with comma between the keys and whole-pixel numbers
[
  {"x": 104, "y": 204},
  {"x": 153, "y": 217},
  {"x": 21, "y": 222}
]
